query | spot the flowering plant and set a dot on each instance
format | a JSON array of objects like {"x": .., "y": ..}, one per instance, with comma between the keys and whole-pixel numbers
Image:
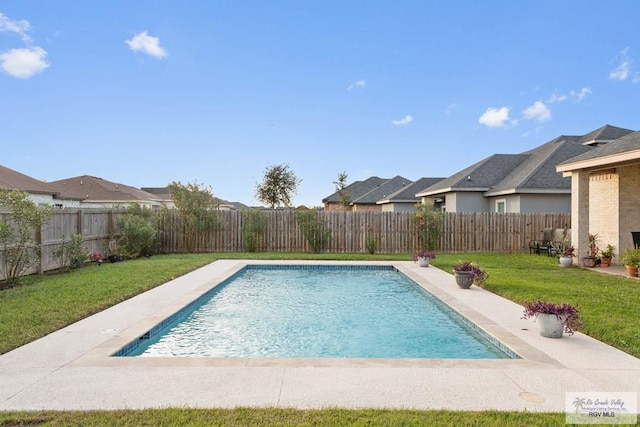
[
  {"x": 424, "y": 254},
  {"x": 566, "y": 311},
  {"x": 95, "y": 256},
  {"x": 479, "y": 275},
  {"x": 593, "y": 245}
]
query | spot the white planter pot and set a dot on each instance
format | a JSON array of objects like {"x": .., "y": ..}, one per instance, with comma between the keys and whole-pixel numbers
[
  {"x": 423, "y": 262},
  {"x": 550, "y": 325},
  {"x": 566, "y": 261}
]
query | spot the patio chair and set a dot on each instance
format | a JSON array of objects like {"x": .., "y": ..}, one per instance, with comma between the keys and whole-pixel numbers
[{"x": 543, "y": 245}]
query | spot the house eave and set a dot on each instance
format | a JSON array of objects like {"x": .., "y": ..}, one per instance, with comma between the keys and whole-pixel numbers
[
  {"x": 452, "y": 190},
  {"x": 512, "y": 191},
  {"x": 628, "y": 157}
]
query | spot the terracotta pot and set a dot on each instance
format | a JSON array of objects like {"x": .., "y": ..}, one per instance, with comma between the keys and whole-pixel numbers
[
  {"x": 589, "y": 262},
  {"x": 631, "y": 270}
]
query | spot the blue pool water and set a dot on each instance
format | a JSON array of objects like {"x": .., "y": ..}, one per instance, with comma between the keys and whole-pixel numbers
[{"x": 317, "y": 311}]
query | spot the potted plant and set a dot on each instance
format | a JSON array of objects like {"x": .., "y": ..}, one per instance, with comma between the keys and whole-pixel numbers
[
  {"x": 592, "y": 251},
  {"x": 423, "y": 257},
  {"x": 565, "y": 257},
  {"x": 553, "y": 319},
  {"x": 96, "y": 257},
  {"x": 631, "y": 260},
  {"x": 606, "y": 255},
  {"x": 468, "y": 273}
]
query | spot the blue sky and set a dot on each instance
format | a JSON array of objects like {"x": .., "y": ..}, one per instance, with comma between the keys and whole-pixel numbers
[{"x": 148, "y": 92}]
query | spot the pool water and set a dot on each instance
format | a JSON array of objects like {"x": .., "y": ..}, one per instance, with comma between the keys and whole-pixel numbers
[{"x": 323, "y": 311}]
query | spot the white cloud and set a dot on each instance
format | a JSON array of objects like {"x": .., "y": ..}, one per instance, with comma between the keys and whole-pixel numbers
[
  {"x": 147, "y": 44},
  {"x": 582, "y": 94},
  {"x": 557, "y": 98},
  {"x": 23, "y": 63},
  {"x": 359, "y": 84},
  {"x": 19, "y": 27},
  {"x": 451, "y": 108},
  {"x": 538, "y": 112},
  {"x": 404, "y": 121},
  {"x": 495, "y": 117},
  {"x": 623, "y": 70}
]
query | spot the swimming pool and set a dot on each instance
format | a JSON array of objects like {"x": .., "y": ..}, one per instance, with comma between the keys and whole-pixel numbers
[{"x": 317, "y": 311}]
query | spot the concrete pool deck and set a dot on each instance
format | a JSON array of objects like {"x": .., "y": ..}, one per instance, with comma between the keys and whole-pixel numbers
[{"x": 71, "y": 369}]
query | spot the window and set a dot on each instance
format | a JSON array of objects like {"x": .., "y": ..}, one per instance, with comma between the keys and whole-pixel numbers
[{"x": 501, "y": 206}]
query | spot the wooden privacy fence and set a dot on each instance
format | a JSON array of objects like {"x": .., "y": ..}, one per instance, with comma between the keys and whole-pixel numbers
[{"x": 394, "y": 232}]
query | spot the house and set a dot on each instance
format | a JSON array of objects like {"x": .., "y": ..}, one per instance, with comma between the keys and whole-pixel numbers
[
  {"x": 39, "y": 192},
  {"x": 405, "y": 200},
  {"x": 363, "y": 196},
  {"x": 605, "y": 194},
  {"x": 525, "y": 182},
  {"x": 97, "y": 192}
]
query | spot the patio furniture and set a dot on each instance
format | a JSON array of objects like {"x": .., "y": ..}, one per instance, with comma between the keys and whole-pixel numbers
[
  {"x": 636, "y": 239},
  {"x": 543, "y": 245}
]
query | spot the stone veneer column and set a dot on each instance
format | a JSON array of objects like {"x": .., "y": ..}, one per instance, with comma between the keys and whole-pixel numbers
[{"x": 580, "y": 213}]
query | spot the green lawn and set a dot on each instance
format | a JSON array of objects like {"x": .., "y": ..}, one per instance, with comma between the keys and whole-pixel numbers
[{"x": 42, "y": 304}]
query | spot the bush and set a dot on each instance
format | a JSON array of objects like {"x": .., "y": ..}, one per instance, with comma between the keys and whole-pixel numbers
[
  {"x": 428, "y": 224},
  {"x": 314, "y": 229},
  {"x": 253, "y": 229},
  {"x": 71, "y": 253},
  {"x": 140, "y": 233}
]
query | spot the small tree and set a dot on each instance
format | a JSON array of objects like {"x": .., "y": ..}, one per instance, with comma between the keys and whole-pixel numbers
[
  {"x": 277, "y": 187},
  {"x": 341, "y": 185},
  {"x": 314, "y": 229},
  {"x": 197, "y": 208},
  {"x": 428, "y": 223},
  {"x": 18, "y": 248},
  {"x": 140, "y": 232},
  {"x": 253, "y": 229},
  {"x": 71, "y": 253}
]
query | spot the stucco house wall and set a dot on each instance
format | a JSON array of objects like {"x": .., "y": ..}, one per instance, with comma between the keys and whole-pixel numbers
[
  {"x": 398, "y": 207},
  {"x": 466, "y": 202},
  {"x": 550, "y": 203}
]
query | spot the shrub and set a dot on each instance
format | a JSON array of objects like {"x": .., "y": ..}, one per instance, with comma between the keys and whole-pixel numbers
[
  {"x": 140, "y": 233},
  {"x": 314, "y": 229},
  {"x": 428, "y": 224},
  {"x": 71, "y": 253},
  {"x": 253, "y": 229}
]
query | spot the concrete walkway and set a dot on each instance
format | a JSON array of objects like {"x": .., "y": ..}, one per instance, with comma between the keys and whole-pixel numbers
[{"x": 71, "y": 368}]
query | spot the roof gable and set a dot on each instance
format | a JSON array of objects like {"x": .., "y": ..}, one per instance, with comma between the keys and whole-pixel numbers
[
  {"x": 356, "y": 189},
  {"x": 407, "y": 194},
  {"x": 388, "y": 187}
]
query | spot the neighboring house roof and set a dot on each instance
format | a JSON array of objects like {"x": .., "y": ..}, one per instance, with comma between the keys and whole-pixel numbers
[
  {"x": 356, "y": 189},
  {"x": 622, "y": 150},
  {"x": 407, "y": 194},
  {"x": 605, "y": 134},
  {"x": 94, "y": 189},
  {"x": 13, "y": 180},
  {"x": 385, "y": 189},
  {"x": 532, "y": 171}
]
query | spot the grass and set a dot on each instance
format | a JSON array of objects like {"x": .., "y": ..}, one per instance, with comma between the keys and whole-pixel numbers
[{"x": 43, "y": 304}]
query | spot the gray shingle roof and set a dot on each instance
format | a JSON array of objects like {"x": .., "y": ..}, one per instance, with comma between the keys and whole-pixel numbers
[
  {"x": 388, "y": 187},
  {"x": 528, "y": 171},
  {"x": 627, "y": 143},
  {"x": 407, "y": 194},
  {"x": 356, "y": 189}
]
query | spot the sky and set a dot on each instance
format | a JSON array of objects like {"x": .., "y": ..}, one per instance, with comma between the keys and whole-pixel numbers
[{"x": 213, "y": 92}]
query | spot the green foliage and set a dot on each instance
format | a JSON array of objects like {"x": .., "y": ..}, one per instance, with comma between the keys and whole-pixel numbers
[
  {"x": 198, "y": 210},
  {"x": 277, "y": 187},
  {"x": 428, "y": 224},
  {"x": 314, "y": 229},
  {"x": 18, "y": 249},
  {"x": 341, "y": 185},
  {"x": 253, "y": 229},
  {"x": 371, "y": 239},
  {"x": 71, "y": 253},
  {"x": 140, "y": 232}
]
